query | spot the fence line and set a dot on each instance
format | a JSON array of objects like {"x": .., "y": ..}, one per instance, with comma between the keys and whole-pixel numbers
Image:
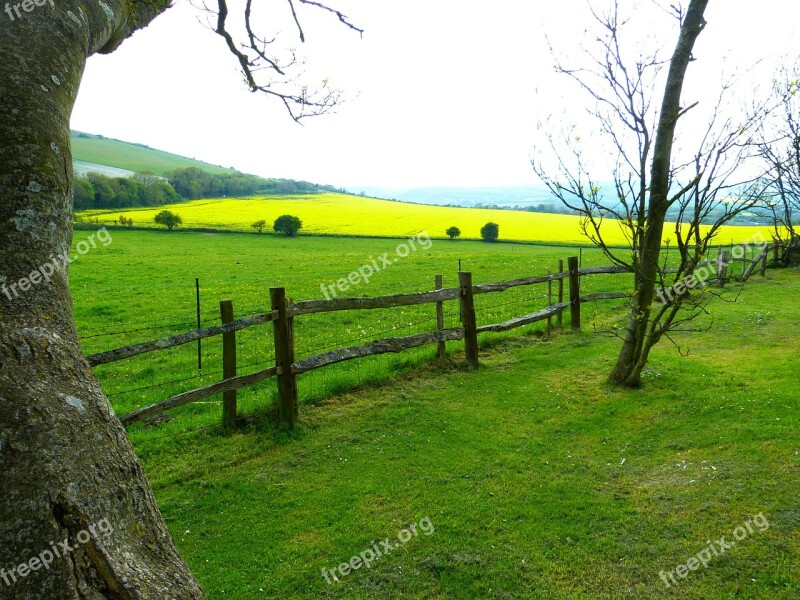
[
  {"x": 177, "y": 340},
  {"x": 226, "y": 385},
  {"x": 307, "y": 307},
  {"x": 284, "y": 311}
]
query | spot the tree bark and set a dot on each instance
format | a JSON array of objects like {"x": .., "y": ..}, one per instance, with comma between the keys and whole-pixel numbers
[
  {"x": 66, "y": 462},
  {"x": 639, "y": 336}
]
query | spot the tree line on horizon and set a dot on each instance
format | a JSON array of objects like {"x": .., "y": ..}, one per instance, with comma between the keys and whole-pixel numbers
[{"x": 99, "y": 191}]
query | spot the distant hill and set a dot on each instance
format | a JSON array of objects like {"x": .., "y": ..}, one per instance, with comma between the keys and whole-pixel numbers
[
  {"x": 523, "y": 196},
  {"x": 105, "y": 170},
  {"x": 117, "y": 158},
  {"x": 536, "y": 198}
]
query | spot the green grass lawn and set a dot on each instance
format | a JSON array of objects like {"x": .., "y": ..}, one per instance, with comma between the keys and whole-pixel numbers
[
  {"x": 142, "y": 287},
  {"x": 539, "y": 479}
]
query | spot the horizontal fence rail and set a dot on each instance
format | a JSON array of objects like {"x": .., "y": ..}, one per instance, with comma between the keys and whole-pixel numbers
[
  {"x": 541, "y": 315},
  {"x": 227, "y": 385},
  {"x": 604, "y": 296},
  {"x": 502, "y": 286},
  {"x": 307, "y": 307},
  {"x": 285, "y": 311},
  {"x": 176, "y": 340},
  {"x": 378, "y": 347},
  {"x": 603, "y": 270}
]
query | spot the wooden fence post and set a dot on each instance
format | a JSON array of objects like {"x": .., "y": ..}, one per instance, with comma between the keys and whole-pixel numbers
[
  {"x": 549, "y": 302},
  {"x": 574, "y": 293},
  {"x": 292, "y": 359},
  {"x": 744, "y": 260},
  {"x": 468, "y": 318},
  {"x": 722, "y": 268},
  {"x": 560, "y": 317},
  {"x": 764, "y": 252},
  {"x": 199, "y": 325},
  {"x": 776, "y": 248},
  {"x": 439, "y": 282},
  {"x": 283, "y": 353},
  {"x": 228, "y": 365},
  {"x": 748, "y": 272}
]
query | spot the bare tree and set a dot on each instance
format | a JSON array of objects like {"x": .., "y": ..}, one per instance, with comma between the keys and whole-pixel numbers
[
  {"x": 147, "y": 180},
  {"x": 66, "y": 462},
  {"x": 779, "y": 150},
  {"x": 650, "y": 181},
  {"x": 259, "y": 55}
]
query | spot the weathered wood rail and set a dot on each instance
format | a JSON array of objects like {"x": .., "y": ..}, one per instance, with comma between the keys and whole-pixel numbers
[
  {"x": 307, "y": 307},
  {"x": 227, "y": 385},
  {"x": 397, "y": 344},
  {"x": 177, "y": 340},
  {"x": 283, "y": 312}
]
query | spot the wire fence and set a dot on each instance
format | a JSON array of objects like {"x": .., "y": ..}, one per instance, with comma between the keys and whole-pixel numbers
[{"x": 149, "y": 378}]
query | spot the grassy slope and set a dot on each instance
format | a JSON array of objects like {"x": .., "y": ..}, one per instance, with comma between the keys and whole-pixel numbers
[
  {"x": 350, "y": 215},
  {"x": 129, "y": 156},
  {"x": 540, "y": 479}
]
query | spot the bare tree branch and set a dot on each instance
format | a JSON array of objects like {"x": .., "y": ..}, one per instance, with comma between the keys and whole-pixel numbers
[
  {"x": 778, "y": 148},
  {"x": 651, "y": 183},
  {"x": 269, "y": 67}
]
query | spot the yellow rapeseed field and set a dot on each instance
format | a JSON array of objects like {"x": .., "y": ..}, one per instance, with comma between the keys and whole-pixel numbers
[{"x": 341, "y": 214}]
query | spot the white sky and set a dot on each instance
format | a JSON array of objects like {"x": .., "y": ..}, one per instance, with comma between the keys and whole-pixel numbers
[{"x": 440, "y": 92}]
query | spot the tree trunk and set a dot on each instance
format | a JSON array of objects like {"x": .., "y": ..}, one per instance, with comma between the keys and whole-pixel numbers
[
  {"x": 76, "y": 508},
  {"x": 638, "y": 341}
]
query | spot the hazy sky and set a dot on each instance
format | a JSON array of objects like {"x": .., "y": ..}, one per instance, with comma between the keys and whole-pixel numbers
[{"x": 440, "y": 92}]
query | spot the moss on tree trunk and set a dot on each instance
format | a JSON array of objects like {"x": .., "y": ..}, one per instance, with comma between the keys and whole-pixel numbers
[{"x": 66, "y": 462}]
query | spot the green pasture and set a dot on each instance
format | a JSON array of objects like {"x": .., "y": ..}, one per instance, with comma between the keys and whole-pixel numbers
[
  {"x": 133, "y": 157},
  {"x": 540, "y": 480}
]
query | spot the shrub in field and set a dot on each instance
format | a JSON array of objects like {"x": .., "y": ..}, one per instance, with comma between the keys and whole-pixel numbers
[
  {"x": 168, "y": 219},
  {"x": 259, "y": 225},
  {"x": 490, "y": 232},
  {"x": 453, "y": 232},
  {"x": 288, "y": 225}
]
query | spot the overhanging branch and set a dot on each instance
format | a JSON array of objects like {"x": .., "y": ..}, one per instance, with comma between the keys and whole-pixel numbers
[{"x": 276, "y": 71}]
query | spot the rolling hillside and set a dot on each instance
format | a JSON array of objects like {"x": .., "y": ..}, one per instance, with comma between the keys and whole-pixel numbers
[{"x": 106, "y": 152}]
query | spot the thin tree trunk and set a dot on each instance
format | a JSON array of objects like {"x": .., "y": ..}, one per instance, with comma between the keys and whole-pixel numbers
[
  {"x": 73, "y": 492},
  {"x": 637, "y": 342}
]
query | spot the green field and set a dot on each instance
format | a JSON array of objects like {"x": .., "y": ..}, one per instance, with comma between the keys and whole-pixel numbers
[
  {"x": 142, "y": 287},
  {"x": 133, "y": 157},
  {"x": 539, "y": 479}
]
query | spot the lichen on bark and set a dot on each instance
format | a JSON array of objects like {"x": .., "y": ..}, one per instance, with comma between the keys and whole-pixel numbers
[{"x": 66, "y": 461}]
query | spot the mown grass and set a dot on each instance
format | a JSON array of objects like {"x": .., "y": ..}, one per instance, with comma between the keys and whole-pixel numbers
[
  {"x": 519, "y": 465},
  {"x": 142, "y": 287},
  {"x": 121, "y": 298},
  {"x": 541, "y": 480}
]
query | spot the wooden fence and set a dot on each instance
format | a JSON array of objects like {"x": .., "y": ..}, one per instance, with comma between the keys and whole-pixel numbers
[{"x": 283, "y": 313}]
